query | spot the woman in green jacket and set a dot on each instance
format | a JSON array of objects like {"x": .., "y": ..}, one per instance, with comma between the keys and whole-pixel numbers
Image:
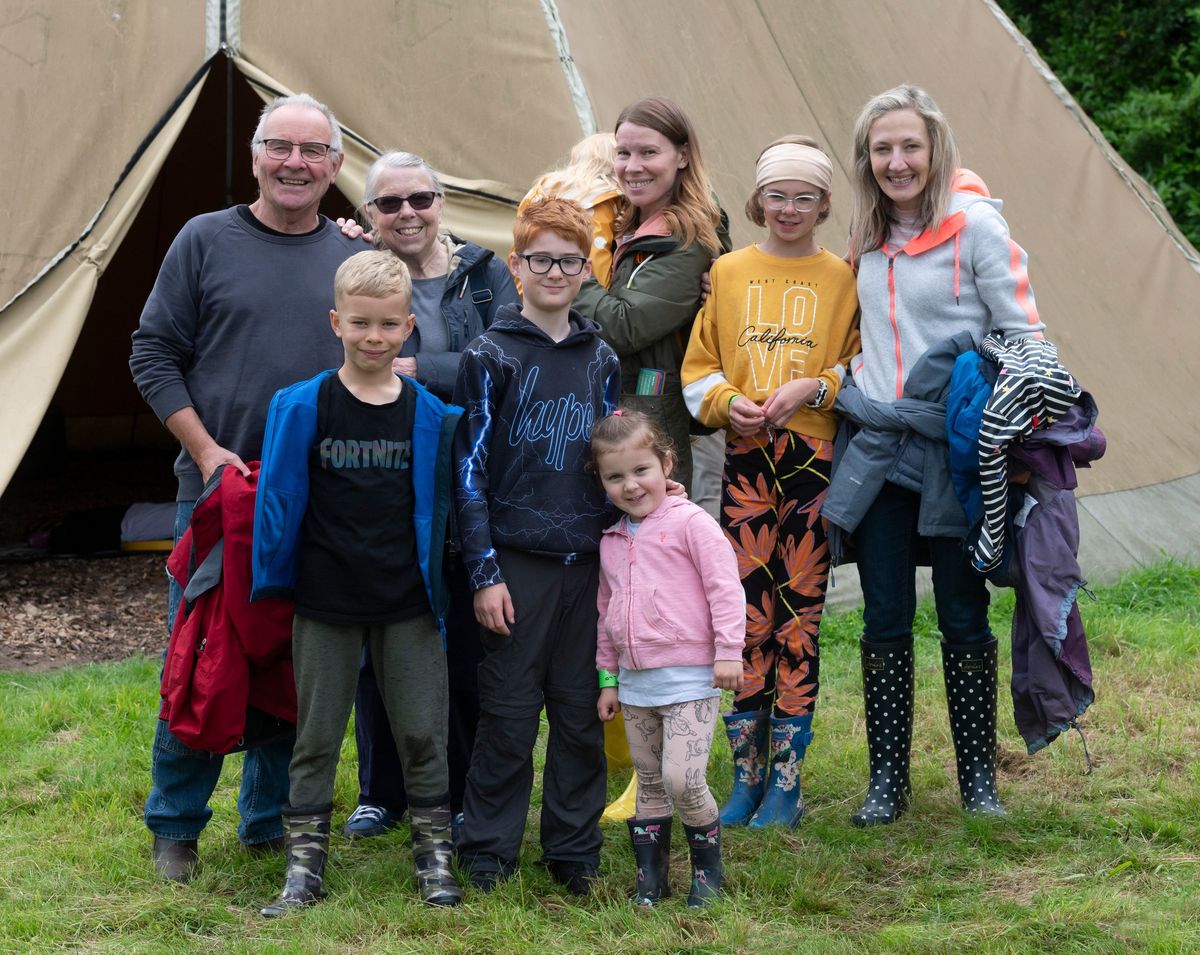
[{"x": 667, "y": 236}]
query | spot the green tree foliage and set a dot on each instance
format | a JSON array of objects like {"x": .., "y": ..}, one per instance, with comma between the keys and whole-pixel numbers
[{"x": 1134, "y": 65}]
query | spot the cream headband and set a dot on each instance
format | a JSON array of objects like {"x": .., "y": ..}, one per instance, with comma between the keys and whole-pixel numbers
[{"x": 794, "y": 161}]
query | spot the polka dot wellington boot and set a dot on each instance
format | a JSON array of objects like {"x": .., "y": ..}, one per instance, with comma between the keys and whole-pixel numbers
[
  {"x": 888, "y": 693},
  {"x": 970, "y": 672}
]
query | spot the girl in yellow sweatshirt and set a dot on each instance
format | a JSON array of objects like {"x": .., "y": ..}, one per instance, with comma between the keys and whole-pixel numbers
[{"x": 767, "y": 355}]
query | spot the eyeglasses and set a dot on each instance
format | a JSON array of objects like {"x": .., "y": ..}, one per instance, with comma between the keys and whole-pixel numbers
[
  {"x": 541, "y": 264},
  {"x": 777, "y": 201},
  {"x": 282, "y": 149},
  {"x": 420, "y": 201}
]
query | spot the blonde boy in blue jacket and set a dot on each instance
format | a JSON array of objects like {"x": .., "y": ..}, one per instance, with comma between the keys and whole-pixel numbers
[{"x": 353, "y": 494}]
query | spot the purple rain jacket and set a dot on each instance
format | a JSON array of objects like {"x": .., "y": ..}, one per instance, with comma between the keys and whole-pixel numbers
[{"x": 1052, "y": 673}]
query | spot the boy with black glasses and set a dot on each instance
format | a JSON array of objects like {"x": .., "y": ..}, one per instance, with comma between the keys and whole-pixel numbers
[{"x": 531, "y": 517}]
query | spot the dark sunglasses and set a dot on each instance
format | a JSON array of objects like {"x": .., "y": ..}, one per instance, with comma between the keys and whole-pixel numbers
[{"x": 420, "y": 201}]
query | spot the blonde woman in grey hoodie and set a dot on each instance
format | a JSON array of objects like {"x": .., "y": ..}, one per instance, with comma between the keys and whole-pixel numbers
[{"x": 934, "y": 259}]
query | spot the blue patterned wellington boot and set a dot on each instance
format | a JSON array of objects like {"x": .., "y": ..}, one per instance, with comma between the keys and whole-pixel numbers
[
  {"x": 747, "y": 734},
  {"x": 783, "y": 802}
]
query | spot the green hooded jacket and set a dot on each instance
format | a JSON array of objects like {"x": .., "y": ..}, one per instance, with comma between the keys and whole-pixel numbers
[{"x": 646, "y": 315}]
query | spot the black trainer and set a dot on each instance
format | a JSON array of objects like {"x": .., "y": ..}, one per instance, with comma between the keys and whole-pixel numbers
[
  {"x": 576, "y": 877},
  {"x": 271, "y": 847},
  {"x": 176, "y": 859},
  {"x": 484, "y": 880}
]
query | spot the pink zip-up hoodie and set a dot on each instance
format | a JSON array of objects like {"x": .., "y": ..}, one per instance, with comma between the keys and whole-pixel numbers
[{"x": 670, "y": 595}]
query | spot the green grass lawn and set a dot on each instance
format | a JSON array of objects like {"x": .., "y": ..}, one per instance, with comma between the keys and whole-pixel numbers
[{"x": 1107, "y": 862}]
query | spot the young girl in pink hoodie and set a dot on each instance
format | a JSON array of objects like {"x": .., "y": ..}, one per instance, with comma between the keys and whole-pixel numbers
[{"x": 672, "y": 627}]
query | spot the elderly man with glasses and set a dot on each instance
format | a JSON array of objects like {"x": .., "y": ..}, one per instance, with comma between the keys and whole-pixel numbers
[{"x": 240, "y": 309}]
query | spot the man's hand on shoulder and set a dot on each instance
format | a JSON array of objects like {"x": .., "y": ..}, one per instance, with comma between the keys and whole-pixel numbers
[
  {"x": 405, "y": 366},
  {"x": 352, "y": 230}
]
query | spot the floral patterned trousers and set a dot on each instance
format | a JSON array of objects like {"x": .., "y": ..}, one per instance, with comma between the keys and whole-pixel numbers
[{"x": 774, "y": 484}]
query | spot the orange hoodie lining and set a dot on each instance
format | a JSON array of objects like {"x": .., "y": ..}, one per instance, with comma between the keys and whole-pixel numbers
[{"x": 951, "y": 225}]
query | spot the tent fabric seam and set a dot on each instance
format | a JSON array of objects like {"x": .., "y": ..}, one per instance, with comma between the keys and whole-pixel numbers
[
  {"x": 222, "y": 26},
  {"x": 799, "y": 87},
  {"x": 370, "y": 146},
  {"x": 575, "y": 85}
]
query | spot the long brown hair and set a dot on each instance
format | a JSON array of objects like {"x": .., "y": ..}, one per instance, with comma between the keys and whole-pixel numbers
[{"x": 691, "y": 212}]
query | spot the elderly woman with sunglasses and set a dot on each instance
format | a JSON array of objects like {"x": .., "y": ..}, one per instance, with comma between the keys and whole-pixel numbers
[{"x": 458, "y": 287}]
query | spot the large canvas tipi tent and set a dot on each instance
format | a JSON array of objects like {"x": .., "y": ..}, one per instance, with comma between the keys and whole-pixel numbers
[{"x": 124, "y": 119}]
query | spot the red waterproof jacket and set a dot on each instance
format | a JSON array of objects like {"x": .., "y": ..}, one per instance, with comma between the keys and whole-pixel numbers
[{"x": 225, "y": 654}]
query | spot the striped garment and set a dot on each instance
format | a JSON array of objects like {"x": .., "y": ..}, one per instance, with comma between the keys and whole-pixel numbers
[{"x": 1032, "y": 390}]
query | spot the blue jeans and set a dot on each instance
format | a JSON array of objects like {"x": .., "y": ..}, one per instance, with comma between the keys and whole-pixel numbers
[
  {"x": 889, "y": 548},
  {"x": 184, "y": 778}
]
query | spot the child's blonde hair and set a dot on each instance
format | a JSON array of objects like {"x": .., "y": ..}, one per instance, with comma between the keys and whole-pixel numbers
[
  {"x": 591, "y": 163},
  {"x": 625, "y": 425},
  {"x": 376, "y": 274}
]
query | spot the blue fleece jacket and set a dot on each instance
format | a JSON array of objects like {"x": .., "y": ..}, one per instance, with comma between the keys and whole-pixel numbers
[{"x": 283, "y": 487}]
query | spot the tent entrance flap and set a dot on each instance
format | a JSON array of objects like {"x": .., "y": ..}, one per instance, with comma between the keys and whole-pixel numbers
[{"x": 46, "y": 320}]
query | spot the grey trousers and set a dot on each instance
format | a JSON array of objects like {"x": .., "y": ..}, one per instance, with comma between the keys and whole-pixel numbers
[
  {"x": 410, "y": 668},
  {"x": 708, "y": 465}
]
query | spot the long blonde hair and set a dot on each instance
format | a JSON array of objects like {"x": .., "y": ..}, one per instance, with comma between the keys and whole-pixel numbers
[
  {"x": 870, "y": 207},
  {"x": 691, "y": 213}
]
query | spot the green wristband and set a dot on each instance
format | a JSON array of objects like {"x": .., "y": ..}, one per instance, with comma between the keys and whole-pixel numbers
[
  {"x": 731, "y": 401},
  {"x": 607, "y": 679}
]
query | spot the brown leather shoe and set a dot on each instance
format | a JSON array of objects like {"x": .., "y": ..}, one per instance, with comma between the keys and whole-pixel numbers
[{"x": 176, "y": 859}]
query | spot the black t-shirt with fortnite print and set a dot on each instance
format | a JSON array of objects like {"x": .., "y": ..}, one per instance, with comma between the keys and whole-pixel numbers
[{"x": 358, "y": 549}]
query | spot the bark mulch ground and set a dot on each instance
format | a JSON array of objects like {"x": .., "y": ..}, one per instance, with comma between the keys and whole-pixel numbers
[
  {"x": 60, "y": 613},
  {"x": 68, "y": 611}
]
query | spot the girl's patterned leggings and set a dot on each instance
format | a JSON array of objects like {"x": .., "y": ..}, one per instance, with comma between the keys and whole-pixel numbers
[
  {"x": 669, "y": 746},
  {"x": 774, "y": 484}
]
